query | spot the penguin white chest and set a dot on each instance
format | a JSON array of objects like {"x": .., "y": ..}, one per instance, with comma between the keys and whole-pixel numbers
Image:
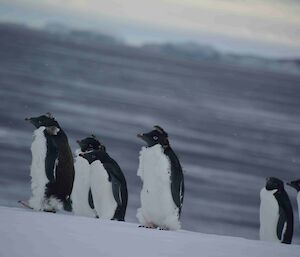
[
  {"x": 81, "y": 188},
  {"x": 102, "y": 191},
  {"x": 269, "y": 215},
  {"x": 38, "y": 170},
  {"x": 157, "y": 205}
]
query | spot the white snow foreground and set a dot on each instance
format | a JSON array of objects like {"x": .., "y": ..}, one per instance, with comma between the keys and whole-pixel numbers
[{"x": 35, "y": 234}]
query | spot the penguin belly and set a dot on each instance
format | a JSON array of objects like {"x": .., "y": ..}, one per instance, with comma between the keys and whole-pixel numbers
[
  {"x": 104, "y": 201},
  {"x": 157, "y": 205},
  {"x": 269, "y": 216},
  {"x": 81, "y": 187},
  {"x": 39, "y": 179}
]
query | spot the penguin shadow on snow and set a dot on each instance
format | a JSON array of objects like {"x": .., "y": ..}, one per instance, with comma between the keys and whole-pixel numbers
[
  {"x": 276, "y": 213},
  {"x": 52, "y": 168},
  {"x": 100, "y": 188},
  {"x": 163, "y": 183}
]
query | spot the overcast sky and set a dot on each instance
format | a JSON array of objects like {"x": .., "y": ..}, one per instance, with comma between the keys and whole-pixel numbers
[{"x": 267, "y": 27}]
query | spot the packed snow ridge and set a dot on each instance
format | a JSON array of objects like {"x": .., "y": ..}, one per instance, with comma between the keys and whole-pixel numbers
[{"x": 35, "y": 234}]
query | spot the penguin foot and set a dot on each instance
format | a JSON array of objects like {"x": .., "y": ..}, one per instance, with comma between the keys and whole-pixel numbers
[
  {"x": 142, "y": 226},
  {"x": 50, "y": 210},
  {"x": 163, "y": 228},
  {"x": 151, "y": 226}
]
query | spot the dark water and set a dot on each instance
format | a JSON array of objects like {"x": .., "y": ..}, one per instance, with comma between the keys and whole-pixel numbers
[{"x": 230, "y": 126}]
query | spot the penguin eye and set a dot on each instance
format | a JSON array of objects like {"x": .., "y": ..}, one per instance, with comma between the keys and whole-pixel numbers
[{"x": 155, "y": 137}]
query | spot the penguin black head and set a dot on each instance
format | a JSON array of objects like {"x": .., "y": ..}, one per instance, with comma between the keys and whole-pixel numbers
[
  {"x": 295, "y": 184},
  {"x": 93, "y": 155},
  {"x": 274, "y": 183},
  {"x": 90, "y": 143},
  {"x": 156, "y": 136},
  {"x": 44, "y": 120}
]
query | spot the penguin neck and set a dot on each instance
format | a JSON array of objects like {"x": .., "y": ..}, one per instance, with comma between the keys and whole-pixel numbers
[
  {"x": 166, "y": 146},
  {"x": 279, "y": 192}
]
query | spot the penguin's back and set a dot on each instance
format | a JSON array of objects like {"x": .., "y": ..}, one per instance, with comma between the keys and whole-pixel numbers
[
  {"x": 81, "y": 188},
  {"x": 157, "y": 205},
  {"x": 104, "y": 201},
  {"x": 64, "y": 171},
  {"x": 269, "y": 215},
  {"x": 39, "y": 179}
]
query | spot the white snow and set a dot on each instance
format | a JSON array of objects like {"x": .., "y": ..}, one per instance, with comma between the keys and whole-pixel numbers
[
  {"x": 104, "y": 200},
  {"x": 81, "y": 187},
  {"x": 35, "y": 234},
  {"x": 269, "y": 215},
  {"x": 37, "y": 170},
  {"x": 298, "y": 201},
  {"x": 157, "y": 205}
]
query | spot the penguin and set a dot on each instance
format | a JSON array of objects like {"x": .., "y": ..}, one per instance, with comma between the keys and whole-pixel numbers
[
  {"x": 61, "y": 189},
  {"x": 276, "y": 213},
  {"x": 163, "y": 182},
  {"x": 108, "y": 185},
  {"x": 296, "y": 185},
  {"x": 48, "y": 192},
  {"x": 82, "y": 200}
]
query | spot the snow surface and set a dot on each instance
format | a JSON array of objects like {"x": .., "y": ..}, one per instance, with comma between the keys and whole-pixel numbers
[
  {"x": 29, "y": 233},
  {"x": 157, "y": 205},
  {"x": 37, "y": 170},
  {"x": 81, "y": 188},
  {"x": 269, "y": 215},
  {"x": 104, "y": 201}
]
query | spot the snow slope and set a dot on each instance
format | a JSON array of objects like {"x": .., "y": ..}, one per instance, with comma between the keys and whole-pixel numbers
[{"x": 29, "y": 233}]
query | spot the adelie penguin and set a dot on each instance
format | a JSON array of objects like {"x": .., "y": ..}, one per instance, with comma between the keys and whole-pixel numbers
[
  {"x": 276, "y": 213},
  {"x": 163, "y": 184},
  {"x": 52, "y": 169},
  {"x": 296, "y": 185},
  {"x": 108, "y": 185},
  {"x": 82, "y": 200}
]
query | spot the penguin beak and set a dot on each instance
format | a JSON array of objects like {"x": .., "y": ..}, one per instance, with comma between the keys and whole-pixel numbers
[
  {"x": 27, "y": 119},
  {"x": 78, "y": 141}
]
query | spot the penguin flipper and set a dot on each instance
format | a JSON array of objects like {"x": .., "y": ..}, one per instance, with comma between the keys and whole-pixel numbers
[
  {"x": 177, "y": 189},
  {"x": 281, "y": 224},
  {"x": 119, "y": 188},
  {"x": 91, "y": 201},
  {"x": 177, "y": 180},
  {"x": 50, "y": 160},
  {"x": 286, "y": 219},
  {"x": 116, "y": 188}
]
